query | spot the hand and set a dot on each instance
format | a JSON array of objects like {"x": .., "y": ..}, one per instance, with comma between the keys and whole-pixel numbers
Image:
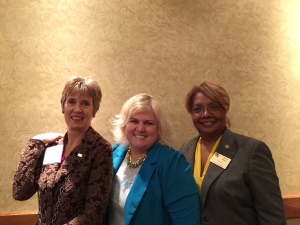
[{"x": 49, "y": 137}]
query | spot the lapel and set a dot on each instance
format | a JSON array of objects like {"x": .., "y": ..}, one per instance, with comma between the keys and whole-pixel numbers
[
  {"x": 54, "y": 173},
  {"x": 142, "y": 179},
  {"x": 189, "y": 149},
  {"x": 119, "y": 153},
  {"x": 227, "y": 147}
]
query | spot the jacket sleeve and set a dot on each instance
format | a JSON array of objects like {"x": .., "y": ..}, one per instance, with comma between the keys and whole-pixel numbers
[
  {"x": 28, "y": 170},
  {"x": 98, "y": 190},
  {"x": 180, "y": 192},
  {"x": 264, "y": 186}
]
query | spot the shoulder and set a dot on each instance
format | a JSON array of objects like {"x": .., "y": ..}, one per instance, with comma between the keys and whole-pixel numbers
[
  {"x": 189, "y": 144},
  {"x": 243, "y": 142},
  {"x": 93, "y": 135},
  {"x": 228, "y": 134},
  {"x": 117, "y": 147},
  {"x": 167, "y": 155},
  {"x": 164, "y": 150},
  {"x": 119, "y": 150},
  {"x": 191, "y": 141},
  {"x": 96, "y": 141},
  {"x": 171, "y": 165}
]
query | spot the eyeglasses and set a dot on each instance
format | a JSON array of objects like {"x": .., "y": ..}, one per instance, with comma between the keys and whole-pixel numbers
[{"x": 212, "y": 108}]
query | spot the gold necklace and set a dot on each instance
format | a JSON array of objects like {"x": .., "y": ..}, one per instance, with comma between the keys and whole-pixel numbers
[{"x": 137, "y": 163}]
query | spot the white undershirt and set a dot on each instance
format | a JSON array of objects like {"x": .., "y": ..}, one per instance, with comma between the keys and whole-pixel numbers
[{"x": 122, "y": 183}]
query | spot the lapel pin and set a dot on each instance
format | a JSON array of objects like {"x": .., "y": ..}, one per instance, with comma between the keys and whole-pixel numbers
[
  {"x": 79, "y": 155},
  {"x": 226, "y": 146}
]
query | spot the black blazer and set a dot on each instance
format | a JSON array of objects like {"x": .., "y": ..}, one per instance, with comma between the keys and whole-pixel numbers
[{"x": 247, "y": 192}]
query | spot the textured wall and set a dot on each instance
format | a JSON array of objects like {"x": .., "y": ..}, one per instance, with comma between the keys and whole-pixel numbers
[{"x": 161, "y": 47}]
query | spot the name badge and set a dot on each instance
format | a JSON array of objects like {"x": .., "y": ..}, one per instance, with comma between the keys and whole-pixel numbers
[
  {"x": 53, "y": 155},
  {"x": 220, "y": 160}
]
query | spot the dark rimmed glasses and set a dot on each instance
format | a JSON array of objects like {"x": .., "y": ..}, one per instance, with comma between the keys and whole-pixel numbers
[{"x": 211, "y": 108}]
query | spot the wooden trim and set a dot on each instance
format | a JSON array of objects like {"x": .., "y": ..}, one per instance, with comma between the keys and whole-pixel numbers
[
  {"x": 292, "y": 206},
  {"x": 24, "y": 218}
]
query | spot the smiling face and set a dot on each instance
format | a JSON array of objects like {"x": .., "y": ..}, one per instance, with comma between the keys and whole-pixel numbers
[
  {"x": 141, "y": 130},
  {"x": 78, "y": 111},
  {"x": 209, "y": 124}
]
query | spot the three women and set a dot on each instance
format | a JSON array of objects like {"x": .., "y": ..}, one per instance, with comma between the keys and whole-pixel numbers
[{"x": 152, "y": 183}]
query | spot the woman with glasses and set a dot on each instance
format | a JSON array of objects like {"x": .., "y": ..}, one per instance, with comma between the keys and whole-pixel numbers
[{"x": 235, "y": 174}]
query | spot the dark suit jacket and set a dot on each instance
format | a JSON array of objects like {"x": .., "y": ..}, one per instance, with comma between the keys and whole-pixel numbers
[{"x": 247, "y": 192}]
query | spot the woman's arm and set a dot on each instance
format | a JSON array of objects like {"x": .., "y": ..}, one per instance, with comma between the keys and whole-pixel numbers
[
  {"x": 180, "y": 191},
  {"x": 264, "y": 186},
  {"x": 29, "y": 168}
]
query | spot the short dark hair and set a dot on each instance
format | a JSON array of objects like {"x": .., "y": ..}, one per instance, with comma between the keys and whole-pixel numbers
[{"x": 211, "y": 90}]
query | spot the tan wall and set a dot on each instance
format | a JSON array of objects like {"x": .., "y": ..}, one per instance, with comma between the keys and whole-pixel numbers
[{"x": 161, "y": 47}]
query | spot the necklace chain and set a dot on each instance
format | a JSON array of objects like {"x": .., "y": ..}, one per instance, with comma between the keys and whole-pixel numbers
[
  {"x": 61, "y": 192},
  {"x": 138, "y": 162}
]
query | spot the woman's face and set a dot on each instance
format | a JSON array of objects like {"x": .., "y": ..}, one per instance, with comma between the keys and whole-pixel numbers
[
  {"x": 78, "y": 111},
  {"x": 141, "y": 130},
  {"x": 209, "y": 117}
]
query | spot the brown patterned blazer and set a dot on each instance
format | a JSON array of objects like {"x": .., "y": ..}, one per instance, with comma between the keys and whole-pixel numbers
[{"x": 84, "y": 182}]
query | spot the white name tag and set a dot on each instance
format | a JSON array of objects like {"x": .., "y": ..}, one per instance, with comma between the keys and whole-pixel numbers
[
  {"x": 220, "y": 160},
  {"x": 53, "y": 155}
]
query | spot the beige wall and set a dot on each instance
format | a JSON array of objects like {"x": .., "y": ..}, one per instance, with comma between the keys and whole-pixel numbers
[{"x": 251, "y": 47}]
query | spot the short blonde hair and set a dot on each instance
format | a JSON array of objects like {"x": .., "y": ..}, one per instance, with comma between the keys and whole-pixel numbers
[
  {"x": 83, "y": 86},
  {"x": 139, "y": 103}
]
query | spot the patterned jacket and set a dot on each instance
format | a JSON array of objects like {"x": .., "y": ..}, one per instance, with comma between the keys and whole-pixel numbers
[{"x": 74, "y": 192}]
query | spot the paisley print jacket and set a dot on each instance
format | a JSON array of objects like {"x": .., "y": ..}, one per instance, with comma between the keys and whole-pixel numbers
[{"x": 74, "y": 192}]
